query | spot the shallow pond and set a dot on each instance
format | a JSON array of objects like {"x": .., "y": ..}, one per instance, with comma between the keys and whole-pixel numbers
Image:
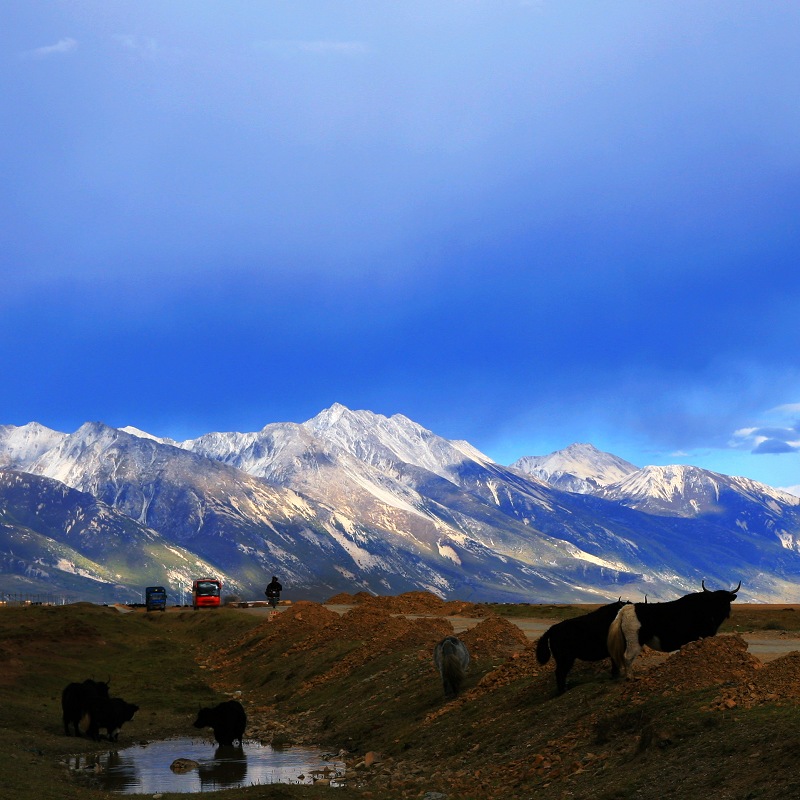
[{"x": 147, "y": 768}]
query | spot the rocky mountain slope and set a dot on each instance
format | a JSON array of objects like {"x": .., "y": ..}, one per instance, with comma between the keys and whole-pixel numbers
[
  {"x": 352, "y": 500},
  {"x": 577, "y": 468}
]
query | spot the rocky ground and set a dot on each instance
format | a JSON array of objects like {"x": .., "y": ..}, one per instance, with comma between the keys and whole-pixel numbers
[{"x": 364, "y": 683}]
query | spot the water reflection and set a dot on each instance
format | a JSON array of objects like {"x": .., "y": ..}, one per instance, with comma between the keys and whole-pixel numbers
[
  {"x": 145, "y": 768},
  {"x": 227, "y": 770}
]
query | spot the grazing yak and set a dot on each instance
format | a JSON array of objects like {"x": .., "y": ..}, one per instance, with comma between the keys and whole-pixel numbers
[
  {"x": 228, "y": 721},
  {"x": 109, "y": 714},
  {"x": 76, "y": 700},
  {"x": 451, "y": 658},
  {"x": 667, "y": 626},
  {"x": 584, "y": 637}
]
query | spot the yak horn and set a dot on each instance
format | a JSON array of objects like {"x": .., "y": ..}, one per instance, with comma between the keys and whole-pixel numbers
[
  {"x": 703, "y": 584},
  {"x": 737, "y": 588}
]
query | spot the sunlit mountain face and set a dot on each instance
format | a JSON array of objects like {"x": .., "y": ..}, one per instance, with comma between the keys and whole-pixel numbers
[{"x": 352, "y": 501}]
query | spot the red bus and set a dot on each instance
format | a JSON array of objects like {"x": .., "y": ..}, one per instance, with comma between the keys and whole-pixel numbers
[{"x": 206, "y": 593}]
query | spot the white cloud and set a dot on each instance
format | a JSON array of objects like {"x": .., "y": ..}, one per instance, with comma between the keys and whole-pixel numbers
[
  {"x": 767, "y": 440},
  {"x": 773, "y": 435},
  {"x": 61, "y": 47},
  {"x": 788, "y": 408}
]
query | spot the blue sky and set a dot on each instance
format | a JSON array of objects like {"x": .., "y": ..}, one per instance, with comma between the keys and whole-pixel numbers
[{"x": 523, "y": 224}]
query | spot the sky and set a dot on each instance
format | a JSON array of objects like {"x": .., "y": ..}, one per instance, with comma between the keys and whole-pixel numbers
[{"x": 523, "y": 224}]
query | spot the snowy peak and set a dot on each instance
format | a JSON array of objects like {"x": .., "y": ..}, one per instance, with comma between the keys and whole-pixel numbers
[
  {"x": 77, "y": 454},
  {"x": 675, "y": 487},
  {"x": 380, "y": 440},
  {"x": 132, "y": 431},
  {"x": 355, "y": 499},
  {"x": 688, "y": 491},
  {"x": 275, "y": 452},
  {"x": 578, "y": 468},
  {"x": 20, "y": 446}
]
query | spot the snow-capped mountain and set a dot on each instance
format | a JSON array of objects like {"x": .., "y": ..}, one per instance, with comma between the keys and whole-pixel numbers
[
  {"x": 683, "y": 491},
  {"x": 353, "y": 500},
  {"x": 680, "y": 490},
  {"x": 282, "y": 450},
  {"x": 400, "y": 480},
  {"x": 352, "y": 445},
  {"x": 22, "y": 445},
  {"x": 577, "y": 468}
]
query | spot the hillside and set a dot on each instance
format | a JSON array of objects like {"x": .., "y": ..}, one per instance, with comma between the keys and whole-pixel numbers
[
  {"x": 354, "y": 501},
  {"x": 710, "y": 720}
]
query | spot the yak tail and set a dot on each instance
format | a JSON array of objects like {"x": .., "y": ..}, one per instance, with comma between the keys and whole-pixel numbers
[
  {"x": 616, "y": 642},
  {"x": 543, "y": 648},
  {"x": 452, "y": 674},
  {"x": 452, "y": 659}
]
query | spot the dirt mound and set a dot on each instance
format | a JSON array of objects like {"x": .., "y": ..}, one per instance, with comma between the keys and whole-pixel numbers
[
  {"x": 379, "y": 629},
  {"x": 407, "y": 603},
  {"x": 698, "y": 665},
  {"x": 457, "y": 608},
  {"x": 341, "y": 599},
  {"x": 300, "y": 621},
  {"x": 377, "y": 632},
  {"x": 347, "y": 599},
  {"x": 410, "y": 603},
  {"x": 495, "y": 639},
  {"x": 521, "y": 664},
  {"x": 373, "y": 628},
  {"x": 494, "y": 636},
  {"x": 300, "y": 616},
  {"x": 776, "y": 682},
  {"x": 413, "y": 603}
]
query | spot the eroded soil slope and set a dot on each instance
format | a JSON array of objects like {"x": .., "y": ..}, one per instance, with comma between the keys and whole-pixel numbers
[{"x": 364, "y": 683}]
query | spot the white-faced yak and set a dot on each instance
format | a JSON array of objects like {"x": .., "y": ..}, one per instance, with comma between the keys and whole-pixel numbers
[
  {"x": 451, "y": 658},
  {"x": 76, "y": 700},
  {"x": 584, "y": 637},
  {"x": 228, "y": 721},
  {"x": 667, "y": 626}
]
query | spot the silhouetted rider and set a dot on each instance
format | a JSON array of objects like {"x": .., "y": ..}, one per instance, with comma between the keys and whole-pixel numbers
[{"x": 273, "y": 591}]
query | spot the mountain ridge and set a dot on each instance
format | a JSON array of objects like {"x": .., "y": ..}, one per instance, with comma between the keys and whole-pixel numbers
[{"x": 352, "y": 500}]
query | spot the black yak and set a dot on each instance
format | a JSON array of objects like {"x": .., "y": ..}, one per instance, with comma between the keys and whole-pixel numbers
[
  {"x": 76, "y": 700},
  {"x": 228, "y": 721},
  {"x": 109, "y": 714},
  {"x": 584, "y": 637},
  {"x": 667, "y": 626},
  {"x": 451, "y": 658}
]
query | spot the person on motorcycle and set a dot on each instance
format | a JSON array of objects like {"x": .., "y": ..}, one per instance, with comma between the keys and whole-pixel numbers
[{"x": 273, "y": 591}]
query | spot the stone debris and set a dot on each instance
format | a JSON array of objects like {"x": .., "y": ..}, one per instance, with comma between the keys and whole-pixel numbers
[
  {"x": 183, "y": 765},
  {"x": 775, "y": 682},
  {"x": 702, "y": 664}
]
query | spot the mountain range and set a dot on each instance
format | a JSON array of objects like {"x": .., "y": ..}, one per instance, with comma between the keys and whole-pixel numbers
[{"x": 355, "y": 501}]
